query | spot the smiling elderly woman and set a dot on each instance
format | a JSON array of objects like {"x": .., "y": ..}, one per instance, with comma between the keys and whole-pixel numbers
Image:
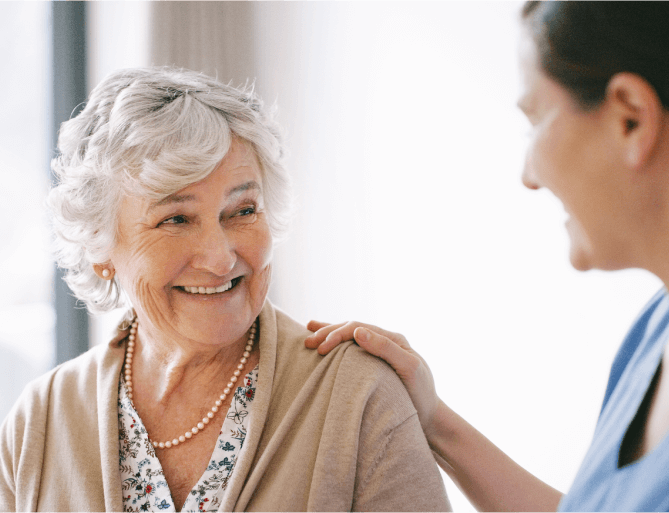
[{"x": 171, "y": 193}]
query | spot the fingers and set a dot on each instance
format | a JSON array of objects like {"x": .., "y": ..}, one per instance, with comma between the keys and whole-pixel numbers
[
  {"x": 331, "y": 336},
  {"x": 322, "y": 330},
  {"x": 328, "y": 336},
  {"x": 316, "y": 325}
]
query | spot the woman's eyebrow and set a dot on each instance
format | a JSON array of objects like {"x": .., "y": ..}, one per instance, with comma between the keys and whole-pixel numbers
[
  {"x": 172, "y": 198},
  {"x": 183, "y": 198},
  {"x": 251, "y": 184}
]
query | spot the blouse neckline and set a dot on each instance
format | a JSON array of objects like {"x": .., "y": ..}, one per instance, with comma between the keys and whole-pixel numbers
[{"x": 143, "y": 483}]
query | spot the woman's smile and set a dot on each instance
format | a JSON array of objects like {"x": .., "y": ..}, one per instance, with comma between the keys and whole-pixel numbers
[
  {"x": 222, "y": 296},
  {"x": 209, "y": 289}
]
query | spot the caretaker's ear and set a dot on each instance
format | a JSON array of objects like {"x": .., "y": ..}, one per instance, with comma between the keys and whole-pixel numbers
[{"x": 637, "y": 113}]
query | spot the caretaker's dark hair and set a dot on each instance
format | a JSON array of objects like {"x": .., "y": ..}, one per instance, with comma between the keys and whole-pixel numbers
[{"x": 583, "y": 44}]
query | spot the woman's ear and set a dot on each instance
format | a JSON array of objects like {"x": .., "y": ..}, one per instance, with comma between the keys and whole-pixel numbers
[
  {"x": 638, "y": 114},
  {"x": 104, "y": 271}
]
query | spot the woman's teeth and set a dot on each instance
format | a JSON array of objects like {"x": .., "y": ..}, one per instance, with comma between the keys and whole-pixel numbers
[{"x": 208, "y": 290}]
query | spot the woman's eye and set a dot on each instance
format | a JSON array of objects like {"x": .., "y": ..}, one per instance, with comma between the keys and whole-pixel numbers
[
  {"x": 247, "y": 211},
  {"x": 174, "y": 220}
]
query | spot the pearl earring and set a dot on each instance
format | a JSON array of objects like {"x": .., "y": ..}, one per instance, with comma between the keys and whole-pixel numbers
[{"x": 105, "y": 273}]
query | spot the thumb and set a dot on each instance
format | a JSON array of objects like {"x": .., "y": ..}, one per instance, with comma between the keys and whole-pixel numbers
[{"x": 399, "y": 359}]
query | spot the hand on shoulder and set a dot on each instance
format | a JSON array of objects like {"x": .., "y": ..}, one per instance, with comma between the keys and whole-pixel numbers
[{"x": 391, "y": 347}]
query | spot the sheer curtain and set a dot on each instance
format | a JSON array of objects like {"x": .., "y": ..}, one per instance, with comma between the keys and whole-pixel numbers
[
  {"x": 406, "y": 153},
  {"x": 26, "y": 314}
]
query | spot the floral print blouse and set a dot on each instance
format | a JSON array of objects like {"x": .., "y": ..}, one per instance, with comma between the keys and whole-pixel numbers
[{"x": 143, "y": 482}]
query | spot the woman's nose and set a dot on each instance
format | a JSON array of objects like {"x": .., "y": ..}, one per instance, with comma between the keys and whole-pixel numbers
[{"x": 214, "y": 251}]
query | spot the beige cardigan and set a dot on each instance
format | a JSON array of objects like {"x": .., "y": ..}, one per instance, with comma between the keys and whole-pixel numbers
[{"x": 327, "y": 433}]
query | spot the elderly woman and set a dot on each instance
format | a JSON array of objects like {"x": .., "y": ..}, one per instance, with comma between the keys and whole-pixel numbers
[
  {"x": 597, "y": 97},
  {"x": 171, "y": 193}
]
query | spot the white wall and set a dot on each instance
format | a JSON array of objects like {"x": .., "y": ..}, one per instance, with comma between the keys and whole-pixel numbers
[{"x": 406, "y": 151}]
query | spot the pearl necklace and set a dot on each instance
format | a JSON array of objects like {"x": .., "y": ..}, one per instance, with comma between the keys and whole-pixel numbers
[{"x": 130, "y": 350}]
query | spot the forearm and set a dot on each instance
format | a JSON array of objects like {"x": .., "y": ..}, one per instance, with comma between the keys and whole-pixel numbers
[{"x": 489, "y": 478}]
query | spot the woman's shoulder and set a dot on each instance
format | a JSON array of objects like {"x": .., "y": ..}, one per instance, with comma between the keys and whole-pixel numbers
[
  {"x": 348, "y": 372},
  {"x": 57, "y": 422},
  {"x": 347, "y": 423},
  {"x": 83, "y": 371},
  {"x": 72, "y": 381}
]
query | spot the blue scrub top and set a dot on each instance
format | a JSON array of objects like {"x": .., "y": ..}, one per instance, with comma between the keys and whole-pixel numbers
[{"x": 644, "y": 484}]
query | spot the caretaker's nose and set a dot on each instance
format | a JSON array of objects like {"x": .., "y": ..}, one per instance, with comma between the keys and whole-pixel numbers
[{"x": 527, "y": 176}]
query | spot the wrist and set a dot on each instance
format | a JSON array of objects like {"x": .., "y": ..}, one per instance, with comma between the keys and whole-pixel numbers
[
  {"x": 436, "y": 424},
  {"x": 431, "y": 424}
]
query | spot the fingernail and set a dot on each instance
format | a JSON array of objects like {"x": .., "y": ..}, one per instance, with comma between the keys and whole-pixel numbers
[{"x": 362, "y": 334}]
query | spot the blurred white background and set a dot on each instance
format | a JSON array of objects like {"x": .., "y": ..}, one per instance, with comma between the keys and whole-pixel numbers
[{"x": 406, "y": 153}]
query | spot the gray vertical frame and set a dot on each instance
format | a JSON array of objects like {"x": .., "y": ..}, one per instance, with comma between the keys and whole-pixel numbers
[{"x": 69, "y": 93}]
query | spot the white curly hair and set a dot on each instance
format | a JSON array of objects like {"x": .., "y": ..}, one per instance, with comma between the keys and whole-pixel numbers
[{"x": 151, "y": 132}]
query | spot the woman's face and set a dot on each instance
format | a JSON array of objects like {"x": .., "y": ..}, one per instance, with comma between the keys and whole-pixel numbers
[
  {"x": 196, "y": 265},
  {"x": 570, "y": 154}
]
